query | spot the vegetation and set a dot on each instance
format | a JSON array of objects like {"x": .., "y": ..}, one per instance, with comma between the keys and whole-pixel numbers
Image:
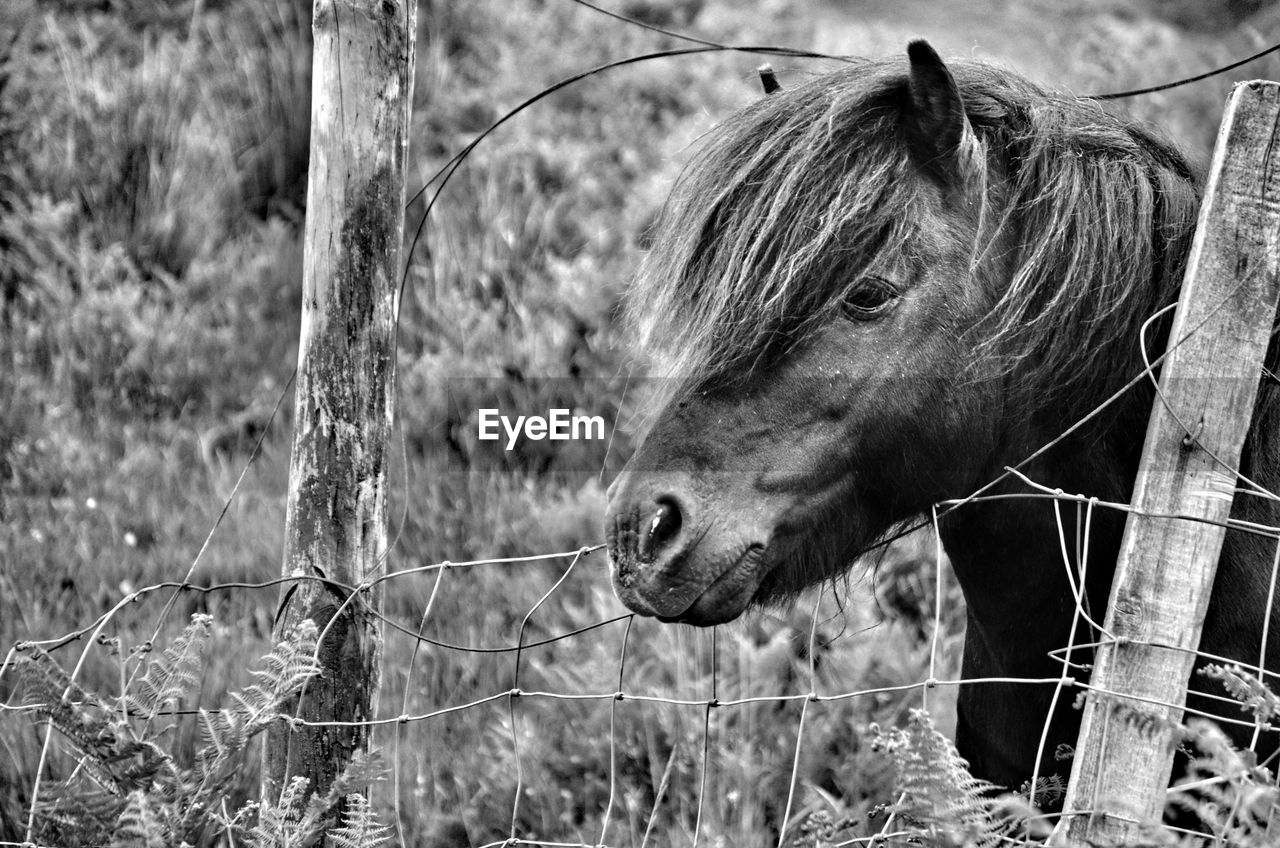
[
  {"x": 130, "y": 788},
  {"x": 151, "y": 195}
]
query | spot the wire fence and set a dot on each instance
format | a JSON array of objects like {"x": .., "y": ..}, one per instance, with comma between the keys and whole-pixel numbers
[{"x": 516, "y": 695}]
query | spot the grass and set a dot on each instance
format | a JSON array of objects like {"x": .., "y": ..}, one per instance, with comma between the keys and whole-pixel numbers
[{"x": 150, "y": 257}]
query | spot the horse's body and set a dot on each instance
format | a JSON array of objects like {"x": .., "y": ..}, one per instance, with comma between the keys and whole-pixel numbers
[{"x": 874, "y": 292}]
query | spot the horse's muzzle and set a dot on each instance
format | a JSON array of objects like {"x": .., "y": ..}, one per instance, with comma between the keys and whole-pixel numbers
[{"x": 670, "y": 558}]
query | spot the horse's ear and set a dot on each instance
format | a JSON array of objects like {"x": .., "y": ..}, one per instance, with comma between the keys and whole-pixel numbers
[{"x": 937, "y": 132}]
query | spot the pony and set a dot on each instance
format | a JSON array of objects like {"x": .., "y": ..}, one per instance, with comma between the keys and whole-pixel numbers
[{"x": 870, "y": 294}]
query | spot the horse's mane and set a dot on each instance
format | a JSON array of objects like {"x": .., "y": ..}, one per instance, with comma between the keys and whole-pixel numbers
[{"x": 789, "y": 199}]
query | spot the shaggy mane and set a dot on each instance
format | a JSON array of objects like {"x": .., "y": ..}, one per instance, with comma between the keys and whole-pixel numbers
[{"x": 790, "y": 198}]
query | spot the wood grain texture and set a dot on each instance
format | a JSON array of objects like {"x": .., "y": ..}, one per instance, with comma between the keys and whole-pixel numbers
[
  {"x": 336, "y": 521},
  {"x": 1166, "y": 567}
]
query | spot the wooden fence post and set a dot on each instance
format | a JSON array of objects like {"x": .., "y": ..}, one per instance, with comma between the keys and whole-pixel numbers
[
  {"x": 362, "y": 82},
  {"x": 1124, "y": 758}
]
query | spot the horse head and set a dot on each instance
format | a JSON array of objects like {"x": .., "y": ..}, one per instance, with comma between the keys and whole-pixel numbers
[{"x": 822, "y": 254}]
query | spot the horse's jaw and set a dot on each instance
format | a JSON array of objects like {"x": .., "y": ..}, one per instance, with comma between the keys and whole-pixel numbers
[{"x": 715, "y": 597}]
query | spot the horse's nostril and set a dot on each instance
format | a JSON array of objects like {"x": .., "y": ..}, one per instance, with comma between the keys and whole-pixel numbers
[{"x": 663, "y": 526}]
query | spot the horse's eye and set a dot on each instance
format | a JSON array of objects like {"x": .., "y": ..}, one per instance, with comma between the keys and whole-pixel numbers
[{"x": 869, "y": 299}]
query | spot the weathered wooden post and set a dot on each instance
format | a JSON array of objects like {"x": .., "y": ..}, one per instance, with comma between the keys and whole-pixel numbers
[
  {"x": 362, "y": 77},
  {"x": 1124, "y": 759}
]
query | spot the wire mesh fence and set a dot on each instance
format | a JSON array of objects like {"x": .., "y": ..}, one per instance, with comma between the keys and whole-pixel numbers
[{"x": 534, "y": 689}]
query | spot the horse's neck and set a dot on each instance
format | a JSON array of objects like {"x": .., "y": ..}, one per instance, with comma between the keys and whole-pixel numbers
[
  {"x": 1010, "y": 560},
  {"x": 1242, "y": 589},
  {"x": 1018, "y": 559},
  {"x": 1018, "y": 562}
]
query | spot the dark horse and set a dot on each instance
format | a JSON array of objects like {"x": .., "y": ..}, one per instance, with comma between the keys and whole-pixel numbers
[{"x": 876, "y": 290}]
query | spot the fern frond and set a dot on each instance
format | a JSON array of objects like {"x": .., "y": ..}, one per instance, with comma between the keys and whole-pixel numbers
[
  {"x": 365, "y": 767},
  {"x": 77, "y": 812},
  {"x": 78, "y": 715},
  {"x": 291, "y": 663},
  {"x": 174, "y": 673},
  {"x": 112, "y": 757},
  {"x": 1246, "y": 688},
  {"x": 1234, "y": 797},
  {"x": 1048, "y": 790},
  {"x": 360, "y": 827},
  {"x": 278, "y": 823},
  {"x": 140, "y": 763},
  {"x": 225, "y": 735},
  {"x": 220, "y": 735},
  {"x": 127, "y": 791},
  {"x": 41, "y": 674},
  {"x": 137, "y": 825},
  {"x": 949, "y": 806}
]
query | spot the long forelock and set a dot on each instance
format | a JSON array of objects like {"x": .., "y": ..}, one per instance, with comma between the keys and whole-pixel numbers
[
  {"x": 769, "y": 221},
  {"x": 1091, "y": 223}
]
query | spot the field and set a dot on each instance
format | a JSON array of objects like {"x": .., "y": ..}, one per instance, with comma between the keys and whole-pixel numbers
[{"x": 152, "y": 194}]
